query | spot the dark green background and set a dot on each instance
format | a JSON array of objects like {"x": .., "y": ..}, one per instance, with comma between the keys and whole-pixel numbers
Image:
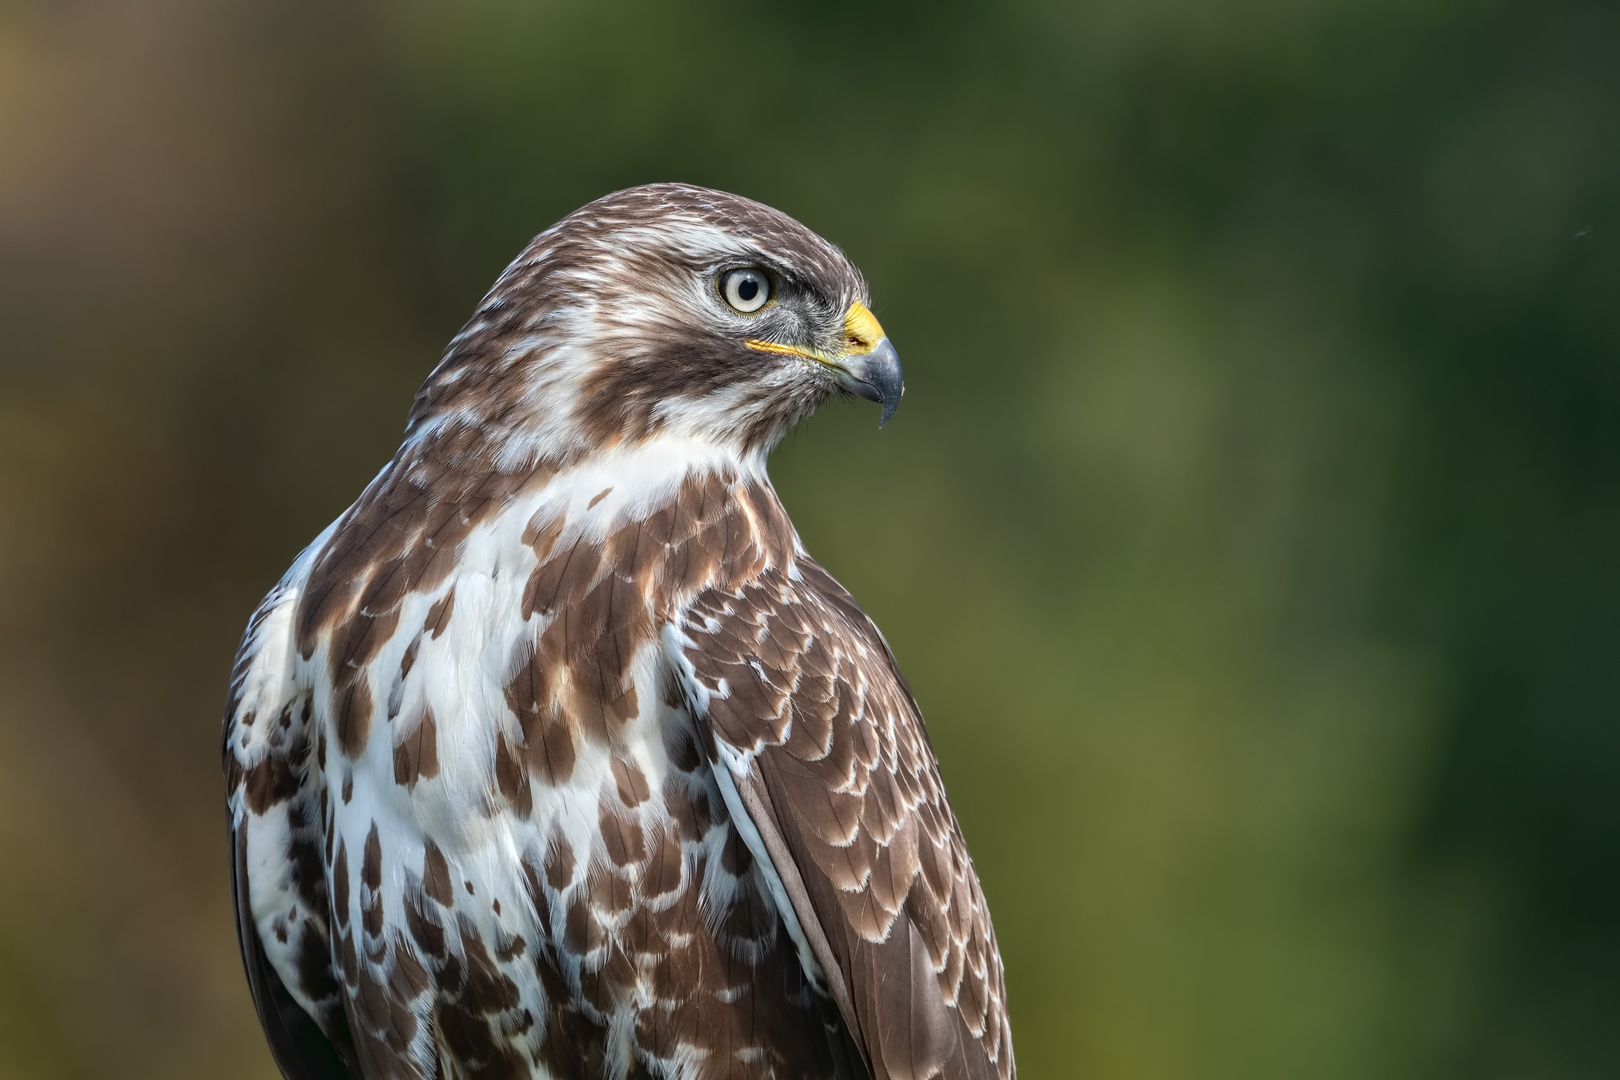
[{"x": 1250, "y": 532}]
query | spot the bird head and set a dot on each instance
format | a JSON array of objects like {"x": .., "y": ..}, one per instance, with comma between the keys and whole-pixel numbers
[{"x": 660, "y": 310}]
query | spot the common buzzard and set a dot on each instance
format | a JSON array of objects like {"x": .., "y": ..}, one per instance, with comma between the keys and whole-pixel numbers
[{"x": 556, "y": 755}]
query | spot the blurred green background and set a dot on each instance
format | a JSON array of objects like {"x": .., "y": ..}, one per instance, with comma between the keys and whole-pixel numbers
[{"x": 1251, "y": 531}]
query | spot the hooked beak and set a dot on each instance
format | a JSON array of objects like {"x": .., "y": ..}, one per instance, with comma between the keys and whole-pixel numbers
[
  {"x": 875, "y": 376},
  {"x": 867, "y": 367},
  {"x": 870, "y": 368}
]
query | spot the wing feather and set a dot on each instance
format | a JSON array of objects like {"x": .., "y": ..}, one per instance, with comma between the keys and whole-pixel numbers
[
  {"x": 844, "y": 793},
  {"x": 276, "y": 869},
  {"x": 301, "y": 1049}
]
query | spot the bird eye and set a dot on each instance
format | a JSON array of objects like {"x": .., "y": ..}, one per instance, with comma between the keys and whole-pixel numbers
[{"x": 745, "y": 290}]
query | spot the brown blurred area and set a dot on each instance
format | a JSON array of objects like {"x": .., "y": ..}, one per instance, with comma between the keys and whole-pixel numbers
[
  {"x": 1248, "y": 534},
  {"x": 185, "y": 239}
]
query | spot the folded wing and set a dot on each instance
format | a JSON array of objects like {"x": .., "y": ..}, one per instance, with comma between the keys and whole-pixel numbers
[
  {"x": 817, "y": 737},
  {"x": 277, "y": 871}
]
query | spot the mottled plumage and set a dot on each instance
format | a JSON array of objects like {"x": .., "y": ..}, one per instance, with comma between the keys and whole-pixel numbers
[{"x": 557, "y": 756}]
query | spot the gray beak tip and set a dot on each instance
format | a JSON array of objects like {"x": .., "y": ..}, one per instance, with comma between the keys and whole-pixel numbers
[
  {"x": 876, "y": 376},
  {"x": 889, "y": 405}
]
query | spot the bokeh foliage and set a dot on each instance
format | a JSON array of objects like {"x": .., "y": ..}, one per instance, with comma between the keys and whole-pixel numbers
[{"x": 1250, "y": 533}]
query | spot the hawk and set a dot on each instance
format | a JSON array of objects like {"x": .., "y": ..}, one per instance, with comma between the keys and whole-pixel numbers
[{"x": 557, "y": 756}]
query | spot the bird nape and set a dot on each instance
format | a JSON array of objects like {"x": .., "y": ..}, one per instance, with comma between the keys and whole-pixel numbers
[{"x": 556, "y": 755}]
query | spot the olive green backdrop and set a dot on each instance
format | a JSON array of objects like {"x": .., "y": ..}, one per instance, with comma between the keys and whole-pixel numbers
[{"x": 1250, "y": 531}]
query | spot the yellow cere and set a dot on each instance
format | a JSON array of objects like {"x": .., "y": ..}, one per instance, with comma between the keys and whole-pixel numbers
[{"x": 862, "y": 332}]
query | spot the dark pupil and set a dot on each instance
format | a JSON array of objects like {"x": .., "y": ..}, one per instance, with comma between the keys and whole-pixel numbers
[{"x": 747, "y": 289}]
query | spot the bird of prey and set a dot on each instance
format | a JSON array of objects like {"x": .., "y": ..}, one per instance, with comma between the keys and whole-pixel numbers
[{"x": 557, "y": 756}]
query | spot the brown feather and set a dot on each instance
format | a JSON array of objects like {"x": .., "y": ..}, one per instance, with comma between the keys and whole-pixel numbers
[{"x": 880, "y": 876}]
